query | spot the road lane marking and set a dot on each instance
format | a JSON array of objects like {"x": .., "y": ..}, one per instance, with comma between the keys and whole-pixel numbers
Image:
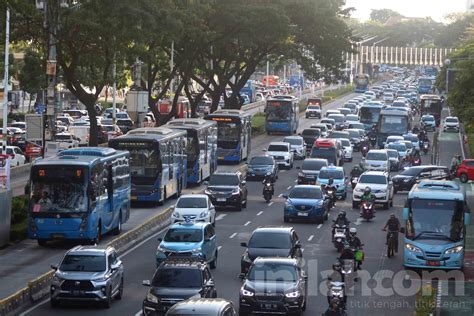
[
  {"x": 220, "y": 217},
  {"x": 270, "y": 204},
  {"x": 259, "y": 213},
  {"x": 289, "y": 187},
  {"x": 310, "y": 237},
  {"x": 219, "y": 248},
  {"x": 319, "y": 226},
  {"x": 233, "y": 235},
  {"x": 281, "y": 194},
  {"x": 247, "y": 224},
  {"x": 281, "y": 171},
  {"x": 296, "y": 180}
]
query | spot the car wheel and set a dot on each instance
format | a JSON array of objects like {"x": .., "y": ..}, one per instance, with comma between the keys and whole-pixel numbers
[
  {"x": 463, "y": 178},
  {"x": 120, "y": 291},
  {"x": 97, "y": 239},
  {"x": 286, "y": 219},
  {"x": 42, "y": 242},
  {"x": 355, "y": 204},
  {"x": 108, "y": 299},
  {"x": 344, "y": 197},
  {"x": 239, "y": 207},
  {"x": 386, "y": 206},
  {"x": 391, "y": 202},
  {"x": 213, "y": 263},
  {"x": 245, "y": 203}
]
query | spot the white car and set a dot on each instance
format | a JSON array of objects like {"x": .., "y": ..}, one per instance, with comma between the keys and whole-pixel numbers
[
  {"x": 67, "y": 140},
  {"x": 16, "y": 155},
  {"x": 281, "y": 152},
  {"x": 313, "y": 110},
  {"x": 451, "y": 123},
  {"x": 393, "y": 139},
  {"x": 380, "y": 185},
  {"x": 376, "y": 160},
  {"x": 194, "y": 207},
  {"x": 297, "y": 146},
  {"x": 323, "y": 128},
  {"x": 347, "y": 146},
  {"x": 371, "y": 94}
]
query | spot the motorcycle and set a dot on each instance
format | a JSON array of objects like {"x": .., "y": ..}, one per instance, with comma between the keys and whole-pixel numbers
[
  {"x": 367, "y": 210},
  {"x": 331, "y": 194},
  {"x": 373, "y": 140},
  {"x": 416, "y": 161},
  {"x": 364, "y": 150},
  {"x": 268, "y": 191},
  {"x": 337, "y": 294},
  {"x": 340, "y": 236},
  {"x": 354, "y": 181},
  {"x": 425, "y": 147}
]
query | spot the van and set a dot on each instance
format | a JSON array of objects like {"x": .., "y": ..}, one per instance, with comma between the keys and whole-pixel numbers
[{"x": 330, "y": 149}]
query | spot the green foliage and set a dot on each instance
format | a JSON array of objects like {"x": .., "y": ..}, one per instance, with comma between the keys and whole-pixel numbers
[
  {"x": 425, "y": 301},
  {"x": 33, "y": 73},
  {"x": 19, "y": 209},
  {"x": 258, "y": 124},
  {"x": 383, "y": 15}
]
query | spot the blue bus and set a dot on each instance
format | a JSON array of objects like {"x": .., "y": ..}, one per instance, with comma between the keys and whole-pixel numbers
[
  {"x": 425, "y": 85},
  {"x": 157, "y": 160},
  {"x": 369, "y": 113},
  {"x": 361, "y": 83},
  {"x": 201, "y": 147},
  {"x": 234, "y": 134},
  {"x": 436, "y": 215},
  {"x": 81, "y": 194},
  {"x": 282, "y": 115}
]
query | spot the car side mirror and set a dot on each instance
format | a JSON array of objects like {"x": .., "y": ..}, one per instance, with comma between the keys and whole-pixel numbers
[
  {"x": 159, "y": 239},
  {"x": 285, "y": 196},
  {"x": 264, "y": 150},
  {"x": 298, "y": 167},
  {"x": 54, "y": 267},
  {"x": 210, "y": 283},
  {"x": 243, "y": 182},
  {"x": 115, "y": 266},
  {"x": 243, "y": 244},
  {"x": 146, "y": 283},
  {"x": 298, "y": 245},
  {"x": 242, "y": 276}
]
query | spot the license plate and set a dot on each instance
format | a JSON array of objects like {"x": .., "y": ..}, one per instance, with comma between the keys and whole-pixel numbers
[
  {"x": 269, "y": 306},
  {"x": 133, "y": 198},
  {"x": 220, "y": 157},
  {"x": 302, "y": 214},
  {"x": 77, "y": 293},
  {"x": 221, "y": 199},
  {"x": 433, "y": 263},
  {"x": 57, "y": 236}
]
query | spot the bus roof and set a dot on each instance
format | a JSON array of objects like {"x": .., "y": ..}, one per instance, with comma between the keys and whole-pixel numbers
[
  {"x": 235, "y": 114},
  {"x": 372, "y": 105},
  {"x": 429, "y": 97},
  {"x": 431, "y": 189},
  {"x": 190, "y": 123},
  {"x": 149, "y": 134},
  {"x": 394, "y": 112},
  {"x": 66, "y": 161}
]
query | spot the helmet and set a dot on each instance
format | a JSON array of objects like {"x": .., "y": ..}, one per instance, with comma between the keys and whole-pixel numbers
[
  {"x": 353, "y": 231},
  {"x": 367, "y": 190},
  {"x": 330, "y": 181},
  {"x": 342, "y": 214},
  {"x": 392, "y": 215},
  {"x": 336, "y": 266},
  {"x": 356, "y": 168}
]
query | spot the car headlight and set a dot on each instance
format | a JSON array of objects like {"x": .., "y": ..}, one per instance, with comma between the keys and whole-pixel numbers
[
  {"x": 293, "y": 294},
  {"x": 289, "y": 205},
  {"x": 413, "y": 248},
  {"x": 207, "y": 192},
  {"x": 406, "y": 180},
  {"x": 236, "y": 191},
  {"x": 383, "y": 190},
  {"x": 100, "y": 279},
  {"x": 245, "y": 292},
  {"x": 300, "y": 174},
  {"x": 176, "y": 214},
  {"x": 152, "y": 298},
  {"x": 159, "y": 249},
  {"x": 203, "y": 214},
  {"x": 196, "y": 250},
  {"x": 56, "y": 279},
  {"x": 457, "y": 249},
  {"x": 359, "y": 190}
]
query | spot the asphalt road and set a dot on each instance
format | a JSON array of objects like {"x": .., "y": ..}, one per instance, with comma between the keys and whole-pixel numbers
[{"x": 372, "y": 296}]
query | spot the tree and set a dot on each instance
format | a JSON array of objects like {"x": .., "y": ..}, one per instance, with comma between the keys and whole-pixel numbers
[
  {"x": 383, "y": 15},
  {"x": 33, "y": 73}
]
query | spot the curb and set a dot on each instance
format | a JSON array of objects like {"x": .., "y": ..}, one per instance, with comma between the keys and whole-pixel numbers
[
  {"x": 23, "y": 169},
  {"x": 38, "y": 288}
]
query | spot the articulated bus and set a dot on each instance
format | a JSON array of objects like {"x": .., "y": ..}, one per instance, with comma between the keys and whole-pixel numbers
[
  {"x": 158, "y": 162},
  {"x": 436, "y": 215},
  {"x": 392, "y": 122},
  {"x": 282, "y": 115},
  {"x": 80, "y": 194},
  {"x": 361, "y": 83},
  {"x": 201, "y": 147},
  {"x": 431, "y": 104},
  {"x": 234, "y": 128}
]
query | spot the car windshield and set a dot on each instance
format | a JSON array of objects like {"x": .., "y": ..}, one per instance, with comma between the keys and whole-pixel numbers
[
  {"x": 313, "y": 164},
  {"x": 272, "y": 240},
  {"x": 293, "y": 141},
  {"x": 272, "y": 272},
  {"x": 354, "y": 134},
  {"x": 345, "y": 142},
  {"x": 408, "y": 144},
  {"x": 224, "y": 179},
  {"x": 83, "y": 263},
  {"x": 323, "y": 152},
  {"x": 314, "y": 107},
  {"x": 278, "y": 110},
  {"x": 63, "y": 137},
  {"x": 177, "y": 278},
  {"x": 392, "y": 153},
  {"x": 337, "y": 118},
  {"x": 328, "y": 173},
  {"x": 412, "y": 138},
  {"x": 394, "y": 124},
  {"x": 261, "y": 161},
  {"x": 311, "y": 132},
  {"x": 352, "y": 118},
  {"x": 277, "y": 148},
  {"x": 305, "y": 193},
  {"x": 410, "y": 172},
  {"x": 376, "y": 156},
  {"x": 452, "y": 120},
  {"x": 340, "y": 135},
  {"x": 397, "y": 146},
  {"x": 192, "y": 202},
  {"x": 427, "y": 119},
  {"x": 376, "y": 179},
  {"x": 228, "y": 131},
  {"x": 183, "y": 235}
]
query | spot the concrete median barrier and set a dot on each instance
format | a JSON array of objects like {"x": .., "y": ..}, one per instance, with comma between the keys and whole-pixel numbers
[
  {"x": 38, "y": 288},
  {"x": 20, "y": 170}
]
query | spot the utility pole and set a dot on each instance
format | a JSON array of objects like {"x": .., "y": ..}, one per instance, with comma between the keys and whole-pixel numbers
[
  {"x": 51, "y": 108},
  {"x": 5, "y": 83},
  {"x": 114, "y": 103},
  {"x": 268, "y": 72}
]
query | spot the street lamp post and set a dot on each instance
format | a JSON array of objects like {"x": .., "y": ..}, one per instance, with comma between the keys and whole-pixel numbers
[
  {"x": 5, "y": 83},
  {"x": 447, "y": 62}
]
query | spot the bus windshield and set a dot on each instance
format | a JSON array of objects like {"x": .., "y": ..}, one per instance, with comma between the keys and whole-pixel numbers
[
  {"x": 435, "y": 219},
  {"x": 145, "y": 162},
  {"x": 394, "y": 124},
  {"x": 430, "y": 106},
  {"x": 58, "y": 189},
  {"x": 278, "y": 111},
  {"x": 425, "y": 82},
  {"x": 228, "y": 131},
  {"x": 369, "y": 115}
]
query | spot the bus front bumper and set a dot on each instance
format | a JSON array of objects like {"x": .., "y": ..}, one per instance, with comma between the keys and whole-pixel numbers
[{"x": 420, "y": 260}]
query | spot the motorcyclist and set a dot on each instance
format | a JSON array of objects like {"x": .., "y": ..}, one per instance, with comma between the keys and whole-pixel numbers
[
  {"x": 393, "y": 225},
  {"x": 356, "y": 172},
  {"x": 416, "y": 130},
  {"x": 334, "y": 309},
  {"x": 347, "y": 253},
  {"x": 355, "y": 243},
  {"x": 422, "y": 135},
  {"x": 330, "y": 186},
  {"x": 336, "y": 276},
  {"x": 341, "y": 220},
  {"x": 455, "y": 162},
  {"x": 268, "y": 179},
  {"x": 368, "y": 196}
]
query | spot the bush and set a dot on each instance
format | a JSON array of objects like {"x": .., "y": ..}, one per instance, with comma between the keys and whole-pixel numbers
[
  {"x": 258, "y": 123},
  {"x": 19, "y": 209}
]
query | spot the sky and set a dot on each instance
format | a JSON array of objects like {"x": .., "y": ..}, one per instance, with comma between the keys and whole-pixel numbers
[{"x": 436, "y": 9}]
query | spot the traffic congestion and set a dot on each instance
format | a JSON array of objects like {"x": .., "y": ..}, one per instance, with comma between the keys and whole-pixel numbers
[{"x": 287, "y": 223}]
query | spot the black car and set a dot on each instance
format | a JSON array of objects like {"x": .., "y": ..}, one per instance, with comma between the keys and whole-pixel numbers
[
  {"x": 309, "y": 170},
  {"x": 125, "y": 125},
  {"x": 412, "y": 175},
  {"x": 274, "y": 286},
  {"x": 176, "y": 280},
  {"x": 270, "y": 242},
  {"x": 260, "y": 166},
  {"x": 227, "y": 189},
  {"x": 309, "y": 136}
]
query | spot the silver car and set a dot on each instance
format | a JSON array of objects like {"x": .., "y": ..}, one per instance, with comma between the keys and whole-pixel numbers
[
  {"x": 88, "y": 273},
  {"x": 376, "y": 160}
]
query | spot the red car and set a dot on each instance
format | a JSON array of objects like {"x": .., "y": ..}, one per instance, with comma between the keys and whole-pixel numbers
[{"x": 466, "y": 170}]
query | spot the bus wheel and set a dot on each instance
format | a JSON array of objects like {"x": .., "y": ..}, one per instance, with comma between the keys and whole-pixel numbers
[
  {"x": 97, "y": 239},
  {"x": 42, "y": 242},
  {"x": 118, "y": 229},
  {"x": 178, "y": 192}
]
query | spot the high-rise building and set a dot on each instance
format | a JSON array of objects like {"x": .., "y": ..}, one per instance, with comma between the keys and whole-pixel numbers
[{"x": 470, "y": 6}]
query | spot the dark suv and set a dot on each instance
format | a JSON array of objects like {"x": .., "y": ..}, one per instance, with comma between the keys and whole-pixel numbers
[
  {"x": 406, "y": 179},
  {"x": 274, "y": 286},
  {"x": 261, "y": 166},
  {"x": 227, "y": 189},
  {"x": 175, "y": 280},
  {"x": 270, "y": 242}
]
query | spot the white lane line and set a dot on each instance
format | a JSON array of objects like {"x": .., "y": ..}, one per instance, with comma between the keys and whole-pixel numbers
[
  {"x": 219, "y": 248},
  {"x": 296, "y": 181},
  {"x": 220, "y": 217},
  {"x": 247, "y": 224},
  {"x": 34, "y": 307},
  {"x": 282, "y": 170},
  {"x": 233, "y": 235},
  {"x": 139, "y": 313},
  {"x": 358, "y": 221},
  {"x": 259, "y": 213},
  {"x": 310, "y": 237},
  {"x": 281, "y": 194},
  {"x": 270, "y": 204},
  {"x": 319, "y": 226},
  {"x": 289, "y": 187}
]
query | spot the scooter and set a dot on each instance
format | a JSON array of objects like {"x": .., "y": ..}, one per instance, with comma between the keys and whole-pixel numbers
[
  {"x": 268, "y": 191},
  {"x": 354, "y": 181},
  {"x": 367, "y": 210},
  {"x": 331, "y": 194},
  {"x": 416, "y": 161},
  {"x": 373, "y": 140},
  {"x": 337, "y": 294},
  {"x": 340, "y": 236},
  {"x": 364, "y": 150},
  {"x": 425, "y": 147}
]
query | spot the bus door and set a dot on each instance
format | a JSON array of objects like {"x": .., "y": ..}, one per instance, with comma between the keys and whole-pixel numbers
[
  {"x": 165, "y": 170},
  {"x": 101, "y": 178},
  {"x": 203, "y": 159}
]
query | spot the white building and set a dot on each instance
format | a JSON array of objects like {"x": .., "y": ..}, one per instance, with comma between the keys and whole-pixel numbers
[{"x": 470, "y": 6}]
